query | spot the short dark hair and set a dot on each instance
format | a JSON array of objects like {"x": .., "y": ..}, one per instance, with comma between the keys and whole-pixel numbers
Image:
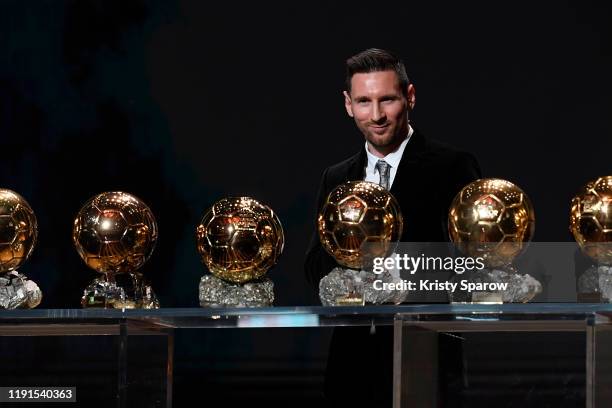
[{"x": 373, "y": 60}]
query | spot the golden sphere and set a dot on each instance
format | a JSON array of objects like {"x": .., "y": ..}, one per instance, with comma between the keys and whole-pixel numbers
[
  {"x": 359, "y": 221},
  {"x": 18, "y": 230},
  {"x": 492, "y": 219},
  {"x": 239, "y": 239},
  {"x": 591, "y": 219},
  {"x": 114, "y": 232}
]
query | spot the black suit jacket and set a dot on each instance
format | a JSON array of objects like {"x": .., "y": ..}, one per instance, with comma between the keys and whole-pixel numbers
[{"x": 429, "y": 176}]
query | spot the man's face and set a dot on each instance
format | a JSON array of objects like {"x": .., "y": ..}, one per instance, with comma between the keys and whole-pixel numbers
[{"x": 380, "y": 108}]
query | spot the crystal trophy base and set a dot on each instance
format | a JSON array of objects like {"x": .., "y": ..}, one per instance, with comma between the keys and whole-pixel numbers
[
  {"x": 349, "y": 287},
  {"x": 18, "y": 292},
  {"x": 121, "y": 291},
  {"x": 215, "y": 292},
  {"x": 595, "y": 285},
  {"x": 521, "y": 288}
]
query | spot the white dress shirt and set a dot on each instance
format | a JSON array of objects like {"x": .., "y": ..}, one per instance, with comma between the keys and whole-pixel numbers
[{"x": 393, "y": 158}]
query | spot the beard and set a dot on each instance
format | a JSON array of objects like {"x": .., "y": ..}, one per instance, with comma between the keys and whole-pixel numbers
[
  {"x": 388, "y": 139},
  {"x": 381, "y": 140}
]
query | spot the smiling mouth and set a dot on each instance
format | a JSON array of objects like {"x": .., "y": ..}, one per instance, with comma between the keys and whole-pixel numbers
[{"x": 379, "y": 129}]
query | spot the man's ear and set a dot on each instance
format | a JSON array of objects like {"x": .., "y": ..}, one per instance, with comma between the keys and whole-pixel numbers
[
  {"x": 347, "y": 104},
  {"x": 411, "y": 96}
]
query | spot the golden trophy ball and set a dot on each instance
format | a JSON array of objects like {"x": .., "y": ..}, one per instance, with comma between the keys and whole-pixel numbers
[
  {"x": 359, "y": 221},
  {"x": 591, "y": 220},
  {"x": 492, "y": 219},
  {"x": 238, "y": 239},
  {"x": 115, "y": 233},
  {"x": 591, "y": 226},
  {"x": 18, "y": 233}
]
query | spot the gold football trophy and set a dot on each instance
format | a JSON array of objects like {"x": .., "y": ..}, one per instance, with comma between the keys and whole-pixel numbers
[
  {"x": 18, "y": 232},
  {"x": 591, "y": 226},
  {"x": 358, "y": 222},
  {"x": 493, "y": 219},
  {"x": 239, "y": 239},
  {"x": 115, "y": 234}
]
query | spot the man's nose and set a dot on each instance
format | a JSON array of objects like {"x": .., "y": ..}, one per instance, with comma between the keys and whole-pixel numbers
[{"x": 378, "y": 114}]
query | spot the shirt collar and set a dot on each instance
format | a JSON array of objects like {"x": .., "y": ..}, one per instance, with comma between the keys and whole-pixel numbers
[{"x": 392, "y": 158}]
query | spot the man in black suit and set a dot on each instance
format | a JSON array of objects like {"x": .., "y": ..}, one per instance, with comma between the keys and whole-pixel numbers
[{"x": 424, "y": 176}]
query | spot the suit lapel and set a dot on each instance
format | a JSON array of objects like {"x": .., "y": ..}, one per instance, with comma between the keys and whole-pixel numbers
[
  {"x": 408, "y": 171},
  {"x": 356, "y": 167}
]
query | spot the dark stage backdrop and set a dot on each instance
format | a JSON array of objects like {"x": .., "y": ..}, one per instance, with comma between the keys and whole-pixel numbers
[{"x": 184, "y": 102}]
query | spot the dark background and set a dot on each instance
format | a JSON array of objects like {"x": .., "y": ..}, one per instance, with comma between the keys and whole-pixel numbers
[{"x": 184, "y": 102}]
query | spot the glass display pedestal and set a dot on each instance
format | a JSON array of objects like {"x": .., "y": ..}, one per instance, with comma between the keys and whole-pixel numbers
[
  {"x": 143, "y": 348},
  {"x": 416, "y": 359}
]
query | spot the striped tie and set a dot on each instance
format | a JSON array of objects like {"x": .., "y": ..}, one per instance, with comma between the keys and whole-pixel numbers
[{"x": 384, "y": 170}]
